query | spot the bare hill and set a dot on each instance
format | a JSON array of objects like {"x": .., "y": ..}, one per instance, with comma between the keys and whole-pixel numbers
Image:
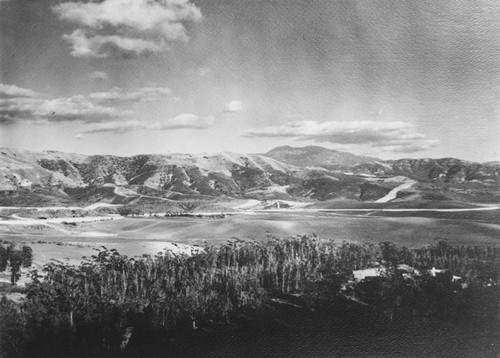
[
  {"x": 308, "y": 173},
  {"x": 315, "y": 156}
]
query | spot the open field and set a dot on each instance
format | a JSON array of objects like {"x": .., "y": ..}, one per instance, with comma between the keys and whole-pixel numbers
[{"x": 148, "y": 235}]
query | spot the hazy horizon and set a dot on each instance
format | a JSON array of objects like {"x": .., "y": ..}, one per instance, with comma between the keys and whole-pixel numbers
[{"x": 388, "y": 79}]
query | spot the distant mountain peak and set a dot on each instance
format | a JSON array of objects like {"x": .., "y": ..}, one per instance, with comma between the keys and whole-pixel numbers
[{"x": 316, "y": 156}]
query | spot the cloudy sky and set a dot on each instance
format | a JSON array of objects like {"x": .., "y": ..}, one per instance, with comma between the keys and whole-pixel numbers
[{"x": 388, "y": 78}]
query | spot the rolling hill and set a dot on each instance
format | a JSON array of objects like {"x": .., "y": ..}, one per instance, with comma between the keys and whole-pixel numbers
[
  {"x": 315, "y": 156},
  {"x": 308, "y": 173}
]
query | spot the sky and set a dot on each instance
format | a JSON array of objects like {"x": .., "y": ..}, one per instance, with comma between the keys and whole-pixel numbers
[{"x": 386, "y": 78}]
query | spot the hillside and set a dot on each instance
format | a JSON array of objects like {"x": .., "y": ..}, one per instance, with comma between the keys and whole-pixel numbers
[
  {"x": 286, "y": 173},
  {"x": 315, "y": 156}
]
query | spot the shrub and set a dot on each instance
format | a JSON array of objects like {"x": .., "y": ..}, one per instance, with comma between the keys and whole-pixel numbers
[
  {"x": 27, "y": 256},
  {"x": 16, "y": 261},
  {"x": 3, "y": 258}
]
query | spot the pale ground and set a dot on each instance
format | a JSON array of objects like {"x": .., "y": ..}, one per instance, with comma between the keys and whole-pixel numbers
[
  {"x": 135, "y": 236},
  {"x": 45, "y": 208},
  {"x": 394, "y": 192}
]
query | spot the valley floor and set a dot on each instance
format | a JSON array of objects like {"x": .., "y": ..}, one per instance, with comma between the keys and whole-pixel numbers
[{"x": 73, "y": 238}]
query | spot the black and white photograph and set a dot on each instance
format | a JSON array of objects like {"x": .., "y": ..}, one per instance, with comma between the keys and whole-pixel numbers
[{"x": 249, "y": 178}]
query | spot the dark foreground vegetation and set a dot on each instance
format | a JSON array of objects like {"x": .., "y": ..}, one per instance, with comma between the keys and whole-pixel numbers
[
  {"x": 236, "y": 299},
  {"x": 14, "y": 257}
]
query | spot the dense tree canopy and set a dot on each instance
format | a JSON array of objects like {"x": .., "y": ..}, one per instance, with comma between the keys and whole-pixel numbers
[{"x": 113, "y": 303}]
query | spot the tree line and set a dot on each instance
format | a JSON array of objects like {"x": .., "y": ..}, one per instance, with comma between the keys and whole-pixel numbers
[{"x": 112, "y": 303}]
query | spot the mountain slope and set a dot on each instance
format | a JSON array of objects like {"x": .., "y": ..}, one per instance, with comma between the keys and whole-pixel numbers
[
  {"x": 181, "y": 174},
  {"x": 311, "y": 173},
  {"x": 315, "y": 156}
]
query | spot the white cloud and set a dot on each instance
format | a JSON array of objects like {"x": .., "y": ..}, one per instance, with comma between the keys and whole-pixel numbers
[
  {"x": 99, "y": 76},
  {"x": 145, "y": 94},
  {"x": 75, "y": 108},
  {"x": 11, "y": 91},
  {"x": 182, "y": 121},
  {"x": 17, "y": 108},
  {"x": 24, "y": 104},
  {"x": 185, "y": 120},
  {"x": 94, "y": 110},
  {"x": 233, "y": 107},
  {"x": 395, "y": 136},
  {"x": 126, "y": 27},
  {"x": 100, "y": 46},
  {"x": 113, "y": 126}
]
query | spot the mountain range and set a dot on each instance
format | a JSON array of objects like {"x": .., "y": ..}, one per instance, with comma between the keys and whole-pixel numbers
[{"x": 309, "y": 173}]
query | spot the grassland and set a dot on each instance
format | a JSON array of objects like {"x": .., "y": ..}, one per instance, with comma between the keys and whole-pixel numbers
[{"x": 135, "y": 236}]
